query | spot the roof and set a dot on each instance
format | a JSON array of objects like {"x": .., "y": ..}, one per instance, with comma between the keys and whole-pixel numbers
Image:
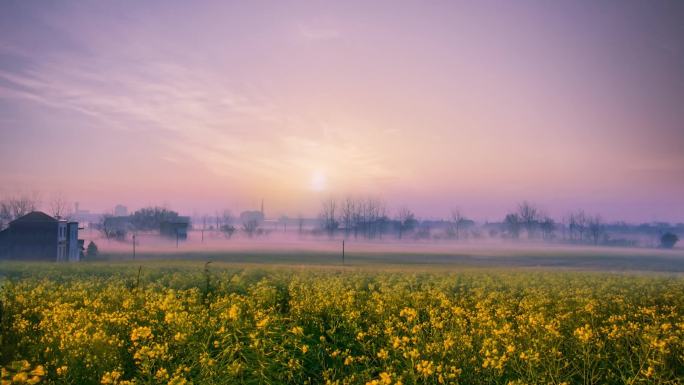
[
  {"x": 35, "y": 216},
  {"x": 177, "y": 220}
]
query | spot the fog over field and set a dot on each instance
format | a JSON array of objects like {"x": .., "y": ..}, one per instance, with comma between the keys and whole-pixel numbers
[{"x": 293, "y": 249}]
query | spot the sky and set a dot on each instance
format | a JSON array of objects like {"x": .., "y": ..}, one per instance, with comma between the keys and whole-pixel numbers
[{"x": 433, "y": 105}]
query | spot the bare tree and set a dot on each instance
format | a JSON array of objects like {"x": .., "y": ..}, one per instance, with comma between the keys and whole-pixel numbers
[
  {"x": 572, "y": 226},
  {"x": 512, "y": 223},
  {"x": 112, "y": 227},
  {"x": 529, "y": 215},
  {"x": 371, "y": 212},
  {"x": 59, "y": 206},
  {"x": 23, "y": 205},
  {"x": 595, "y": 228},
  {"x": 327, "y": 216},
  {"x": 367, "y": 217},
  {"x": 548, "y": 226},
  {"x": 348, "y": 211},
  {"x": 358, "y": 218},
  {"x": 250, "y": 226},
  {"x": 371, "y": 215},
  {"x": 224, "y": 223},
  {"x": 406, "y": 221},
  {"x": 229, "y": 230},
  {"x": 382, "y": 219},
  {"x": 458, "y": 221},
  {"x": 365, "y": 207},
  {"x": 5, "y": 214},
  {"x": 16, "y": 206},
  {"x": 577, "y": 223},
  {"x": 564, "y": 227}
]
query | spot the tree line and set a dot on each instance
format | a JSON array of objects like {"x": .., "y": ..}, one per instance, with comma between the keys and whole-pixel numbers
[
  {"x": 364, "y": 218},
  {"x": 370, "y": 218},
  {"x": 18, "y": 205}
]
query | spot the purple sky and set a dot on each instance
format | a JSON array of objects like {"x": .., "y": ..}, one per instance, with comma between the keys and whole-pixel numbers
[{"x": 435, "y": 105}]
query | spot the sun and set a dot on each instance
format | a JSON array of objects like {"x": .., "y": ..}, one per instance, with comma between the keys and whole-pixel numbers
[{"x": 318, "y": 181}]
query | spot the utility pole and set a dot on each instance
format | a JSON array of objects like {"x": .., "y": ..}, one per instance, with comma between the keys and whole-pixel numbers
[
  {"x": 343, "y": 252},
  {"x": 176, "y": 237}
]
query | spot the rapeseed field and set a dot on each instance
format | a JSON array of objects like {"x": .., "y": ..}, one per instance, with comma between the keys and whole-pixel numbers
[{"x": 209, "y": 325}]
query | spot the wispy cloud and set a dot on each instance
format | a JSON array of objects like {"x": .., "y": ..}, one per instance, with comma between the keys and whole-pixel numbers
[{"x": 230, "y": 127}]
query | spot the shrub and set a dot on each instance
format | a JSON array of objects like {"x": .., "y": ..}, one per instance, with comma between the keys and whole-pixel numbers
[
  {"x": 91, "y": 251},
  {"x": 668, "y": 240}
]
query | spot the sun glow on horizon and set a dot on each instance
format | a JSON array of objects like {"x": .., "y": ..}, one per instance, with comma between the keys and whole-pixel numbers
[{"x": 318, "y": 181}]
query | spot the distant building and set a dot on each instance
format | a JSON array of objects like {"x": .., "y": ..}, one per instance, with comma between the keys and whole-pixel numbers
[
  {"x": 83, "y": 216},
  {"x": 175, "y": 228},
  {"x": 78, "y": 211},
  {"x": 38, "y": 236},
  {"x": 120, "y": 211},
  {"x": 252, "y": 216}
]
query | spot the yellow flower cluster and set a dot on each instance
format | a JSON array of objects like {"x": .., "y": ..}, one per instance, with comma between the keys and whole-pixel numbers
[
  {"x": 74, "y": 325},
  {"x": 21, "y": 372}
]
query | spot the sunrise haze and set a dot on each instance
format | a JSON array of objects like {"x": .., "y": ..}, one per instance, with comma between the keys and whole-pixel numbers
[{"x": 433, "y": 105}]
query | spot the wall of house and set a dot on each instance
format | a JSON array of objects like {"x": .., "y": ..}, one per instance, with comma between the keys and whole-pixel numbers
[
  {"x": 35, "y": 241},
  {"x": 174, "y": 229},
  {"x": 73, "y": 248}
]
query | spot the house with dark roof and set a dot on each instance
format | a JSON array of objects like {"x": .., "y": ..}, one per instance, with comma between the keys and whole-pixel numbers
[
  {"x": 38, "y": 236},
  {"x": 175, "y": 228}
]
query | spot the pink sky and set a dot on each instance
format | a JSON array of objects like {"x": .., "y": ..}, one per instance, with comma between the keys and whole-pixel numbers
[{"x": 436, "y": 105}]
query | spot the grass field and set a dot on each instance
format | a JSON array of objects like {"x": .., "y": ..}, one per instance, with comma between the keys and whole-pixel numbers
[
  {"x": 301, "y": 318},
  {"x": 412, "y": 255}
]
